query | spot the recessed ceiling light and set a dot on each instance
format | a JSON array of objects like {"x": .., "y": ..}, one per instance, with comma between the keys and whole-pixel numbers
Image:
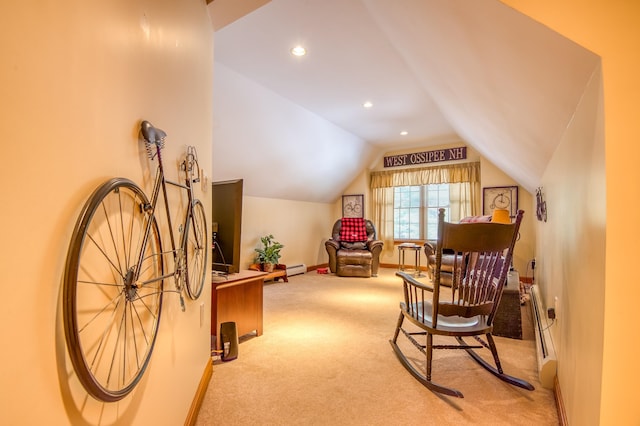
[
  {"x": 298, "y": 51},
  {"x": 404, "y": 133},
  {"x": 367, "y": 104}
]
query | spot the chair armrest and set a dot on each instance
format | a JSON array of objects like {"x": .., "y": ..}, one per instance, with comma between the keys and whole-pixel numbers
[
  {"x": 332, "y": 244},
  {"x": 371, "y": 245},
  {"x": 429, "y": 248},
  {"x": 332, "y": 247},
  {"x": 409, "y": 279}
]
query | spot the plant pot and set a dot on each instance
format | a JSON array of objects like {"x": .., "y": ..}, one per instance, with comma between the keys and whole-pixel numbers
[{"x": 267, "y": 267}]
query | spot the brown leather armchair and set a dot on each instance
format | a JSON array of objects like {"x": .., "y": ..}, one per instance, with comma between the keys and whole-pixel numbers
[
  {"x": 354, "y": 259},
  {"x": 446, "y": 268}
]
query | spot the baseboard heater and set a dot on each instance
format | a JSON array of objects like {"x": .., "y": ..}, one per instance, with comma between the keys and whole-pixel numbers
[
  {"x": 300, "y": 268},
  {"x": 546, "y": 353}
]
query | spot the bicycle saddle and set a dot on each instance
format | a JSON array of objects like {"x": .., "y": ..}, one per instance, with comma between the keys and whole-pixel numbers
[{"x": 152, "y": 134}]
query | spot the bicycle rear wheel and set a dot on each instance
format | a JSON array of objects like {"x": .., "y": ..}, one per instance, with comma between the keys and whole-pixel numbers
[
  {"x": 112, "y": 302},
  {"x": 197, "y": 251}
]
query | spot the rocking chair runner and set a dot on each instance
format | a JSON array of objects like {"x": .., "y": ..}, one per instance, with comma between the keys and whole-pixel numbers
[{"x": 481, "y": 264}]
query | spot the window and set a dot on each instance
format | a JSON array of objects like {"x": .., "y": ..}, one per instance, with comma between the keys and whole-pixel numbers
[
  {"x": 415, "y": 211},
  {"x": 393, "y": 220}
]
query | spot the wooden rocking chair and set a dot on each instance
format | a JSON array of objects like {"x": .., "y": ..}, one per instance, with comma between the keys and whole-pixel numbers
[{"x": 481, "y": 264}]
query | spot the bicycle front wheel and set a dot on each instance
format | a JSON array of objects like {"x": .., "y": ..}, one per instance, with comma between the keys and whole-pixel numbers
[
  {"x": 196, "y": 251},
  {"x": 113, "y": 290}
]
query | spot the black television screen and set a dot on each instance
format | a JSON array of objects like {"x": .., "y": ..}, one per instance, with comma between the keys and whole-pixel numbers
[{"x": 226, "y": 224}]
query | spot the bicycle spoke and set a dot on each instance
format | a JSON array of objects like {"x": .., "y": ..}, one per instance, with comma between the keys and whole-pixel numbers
[
  {"x": 145, "y": 305},
  {"x": 113, "y": 237},
  {"x": 118, "y": 343},
  {"x": 92, "y": 319},
  {"x": 140, "y": 320},
  {"x": 103, "y": 338},
  {"x": 106, "y": 256},
  {"x": 134, "y": 336},
  {"x": 99, "y": 283}
]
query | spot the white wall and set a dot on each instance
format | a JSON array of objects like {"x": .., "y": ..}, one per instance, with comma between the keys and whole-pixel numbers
[
  {"x": 302, "y": 227},
  {"x": 572, "y": 256},
  {"x": 77, "y": 78},
  {"x": 280, "y": 149}
]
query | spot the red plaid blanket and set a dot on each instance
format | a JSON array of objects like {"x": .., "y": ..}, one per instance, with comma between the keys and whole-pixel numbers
[{"x": 353, "y": 229}]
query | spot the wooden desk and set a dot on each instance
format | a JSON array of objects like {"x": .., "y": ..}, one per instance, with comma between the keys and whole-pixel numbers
[{"x": 237, "y": 298}]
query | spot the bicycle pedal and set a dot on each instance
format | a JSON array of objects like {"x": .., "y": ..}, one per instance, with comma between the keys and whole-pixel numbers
[{"x": 182, "y": 303}]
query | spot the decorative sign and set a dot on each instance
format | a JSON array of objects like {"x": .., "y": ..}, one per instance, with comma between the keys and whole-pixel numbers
[{"x": 449, "y": 154}]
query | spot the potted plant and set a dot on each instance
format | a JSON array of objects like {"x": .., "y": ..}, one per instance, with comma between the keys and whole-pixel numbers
[{"x": 269, "y": 254}]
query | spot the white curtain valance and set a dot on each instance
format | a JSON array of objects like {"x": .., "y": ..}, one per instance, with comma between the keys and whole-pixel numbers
[{"x": 452, "y": 173}]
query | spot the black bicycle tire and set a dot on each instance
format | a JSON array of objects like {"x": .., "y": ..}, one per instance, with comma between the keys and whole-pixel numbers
[
  {"x": 194, "y": 292},
  {"x": 90, "y": 382}
]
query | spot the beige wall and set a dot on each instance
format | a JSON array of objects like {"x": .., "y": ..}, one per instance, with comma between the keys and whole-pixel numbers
[
  {"x": 302, "y": 227},
  {"x": 77, "y": 77},
  {"x": 598, "y": 369},
  {"x": 572, "y": 252},
  {"x": 525, "y": 249},
  {"x": 360, "y": 185}
]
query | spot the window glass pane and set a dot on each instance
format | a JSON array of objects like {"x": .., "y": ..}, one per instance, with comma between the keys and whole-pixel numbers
[
  {"x": 432, "y": 198},
  {"x": 415, "y": 196},
  {"x": 415, "y": 214},
  {"x": 406, "y": 214},
  {"x": 443, "y": 195},
  {"x": 438, "y": 197},
  {"x": 404, "y": 199}
]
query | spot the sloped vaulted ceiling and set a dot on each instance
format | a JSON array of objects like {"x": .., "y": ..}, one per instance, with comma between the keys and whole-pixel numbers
[{"x": 440, "y": 69}]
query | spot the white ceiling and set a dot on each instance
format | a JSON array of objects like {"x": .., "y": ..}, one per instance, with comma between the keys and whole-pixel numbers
[{"x": 443, "y": 70}]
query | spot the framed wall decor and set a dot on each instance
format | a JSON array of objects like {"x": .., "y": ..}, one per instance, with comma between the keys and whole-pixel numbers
[
  {"x": 500, "y": 197},
  {"x": 353, "y": 205}
]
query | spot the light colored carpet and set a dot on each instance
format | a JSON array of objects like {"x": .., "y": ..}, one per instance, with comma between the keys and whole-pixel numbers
[{"x": 325, "y": 359}]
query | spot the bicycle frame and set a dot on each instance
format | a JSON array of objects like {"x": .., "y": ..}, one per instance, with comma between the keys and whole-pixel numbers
[{"x": 161, "y": 183}]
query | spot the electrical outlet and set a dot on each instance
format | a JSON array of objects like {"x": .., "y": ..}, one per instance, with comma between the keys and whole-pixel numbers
[
  {"x": 556, "y": 304},
  {"x": 201, "y": 315}
]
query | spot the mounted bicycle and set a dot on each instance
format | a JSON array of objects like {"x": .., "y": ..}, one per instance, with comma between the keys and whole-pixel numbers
[{"x": 115, "y": 272}]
